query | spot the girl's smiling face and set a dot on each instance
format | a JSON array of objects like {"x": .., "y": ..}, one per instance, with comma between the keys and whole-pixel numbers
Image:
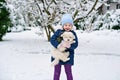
[{"x": 67, "y": 27}]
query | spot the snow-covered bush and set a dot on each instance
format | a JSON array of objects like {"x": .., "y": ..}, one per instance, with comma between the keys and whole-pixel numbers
[
  {"x": 110, "y": 20},
  {"x": 5, "y": 21}
]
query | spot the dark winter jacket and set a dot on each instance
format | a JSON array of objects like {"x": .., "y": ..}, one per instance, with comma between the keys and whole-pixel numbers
[{"x": 55, "y": 42}]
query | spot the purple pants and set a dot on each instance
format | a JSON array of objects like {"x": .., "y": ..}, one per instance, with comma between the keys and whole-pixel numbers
[{"x": 68, "y": 71}]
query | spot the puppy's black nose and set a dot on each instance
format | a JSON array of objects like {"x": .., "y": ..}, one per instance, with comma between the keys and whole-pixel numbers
[{"x": 68, "y": 40}]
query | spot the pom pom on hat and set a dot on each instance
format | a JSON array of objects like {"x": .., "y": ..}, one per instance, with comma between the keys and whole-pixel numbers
[{"x": 66, "y": 18}]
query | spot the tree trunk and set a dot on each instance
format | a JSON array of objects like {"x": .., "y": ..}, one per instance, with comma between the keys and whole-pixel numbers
[
  {"x": 0, "y": 37},
  {"x": 48, "y": 31}
]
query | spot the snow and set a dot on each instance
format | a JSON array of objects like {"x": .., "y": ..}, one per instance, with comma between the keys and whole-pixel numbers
[{"x": 26, "y": 56}]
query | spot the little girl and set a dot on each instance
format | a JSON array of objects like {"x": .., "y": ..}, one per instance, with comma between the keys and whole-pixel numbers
[{"x": 67, "y": 25}]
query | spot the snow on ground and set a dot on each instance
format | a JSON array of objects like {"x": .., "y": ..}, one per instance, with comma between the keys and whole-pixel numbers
[
  {"x": 26, "y": 56},
  {"x": 100, "y": 42}
]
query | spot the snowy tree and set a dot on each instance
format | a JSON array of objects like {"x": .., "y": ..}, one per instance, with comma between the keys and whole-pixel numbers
[
  {"x": 5, "y": 21},
  {"x": 46, "y": 13},
  {"x": 52, "y": 10},
  {"x": 20, "y": 15}
]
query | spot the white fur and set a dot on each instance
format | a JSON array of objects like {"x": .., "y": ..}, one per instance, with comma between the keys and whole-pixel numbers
[{"x": 59, "y": 53}]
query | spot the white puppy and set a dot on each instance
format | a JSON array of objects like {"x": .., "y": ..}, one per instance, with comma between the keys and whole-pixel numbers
[{"x": 59, "y": 52}]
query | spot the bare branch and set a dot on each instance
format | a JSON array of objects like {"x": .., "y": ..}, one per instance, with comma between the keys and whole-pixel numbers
[
  {"x": 75, "y": 14},
  {"x": 45, "y": 8},
  {"x": 93, "y": 7}
]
